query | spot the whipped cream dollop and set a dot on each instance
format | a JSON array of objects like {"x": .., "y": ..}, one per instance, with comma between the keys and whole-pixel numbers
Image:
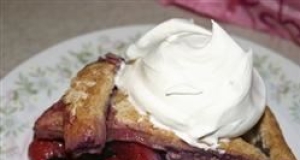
[{"x": 199, "y": 84}]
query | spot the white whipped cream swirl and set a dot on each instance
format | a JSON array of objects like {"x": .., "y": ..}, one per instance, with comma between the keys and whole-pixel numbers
[{"x": 199, "y": 84}]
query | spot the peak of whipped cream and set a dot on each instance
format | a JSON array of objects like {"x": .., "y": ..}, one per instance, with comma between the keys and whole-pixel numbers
[{"x": 199, "y": 84}]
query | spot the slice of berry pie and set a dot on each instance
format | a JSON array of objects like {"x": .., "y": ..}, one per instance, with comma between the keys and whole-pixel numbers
[{"x": 180, "y": 92}]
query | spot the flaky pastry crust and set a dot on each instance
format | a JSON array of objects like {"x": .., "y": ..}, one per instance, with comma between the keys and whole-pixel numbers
[
  {"x": 85, "y": 116},
  {"x": 268, "y": 130}
]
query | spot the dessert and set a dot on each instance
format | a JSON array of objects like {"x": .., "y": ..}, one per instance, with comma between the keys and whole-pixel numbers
[
  {"x": 179, "y": 64},
  {"x": 180, "y": 92}
]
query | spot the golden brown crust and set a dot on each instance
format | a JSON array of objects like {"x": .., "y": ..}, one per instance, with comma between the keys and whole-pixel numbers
[
  {"x": 128, "y": 116},
  {"x": 86, "y": 102},
  {"x": 238, "y": 146},
  {"x": 272, "y": 138},
  {"x": 85, "y": 117},
  {"x": 268, "y": 129}
]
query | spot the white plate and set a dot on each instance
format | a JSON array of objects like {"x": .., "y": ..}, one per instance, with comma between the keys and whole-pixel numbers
[{"x": 34, "y": 85}]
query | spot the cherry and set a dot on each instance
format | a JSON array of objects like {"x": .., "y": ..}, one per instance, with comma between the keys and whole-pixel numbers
[
  {"x": 130, "y": 151},
  {"x": 45, "y": 150}
]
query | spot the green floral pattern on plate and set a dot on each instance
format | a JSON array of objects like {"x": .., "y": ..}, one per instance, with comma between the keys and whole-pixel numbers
[
  {"x": 37, "y": 82},
  {"x": 281, "y": 88},
  {"x": 42, "y": 82}
]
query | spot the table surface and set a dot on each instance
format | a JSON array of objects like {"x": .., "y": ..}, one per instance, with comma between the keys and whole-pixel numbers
[{"x": 28, "y": 27}]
